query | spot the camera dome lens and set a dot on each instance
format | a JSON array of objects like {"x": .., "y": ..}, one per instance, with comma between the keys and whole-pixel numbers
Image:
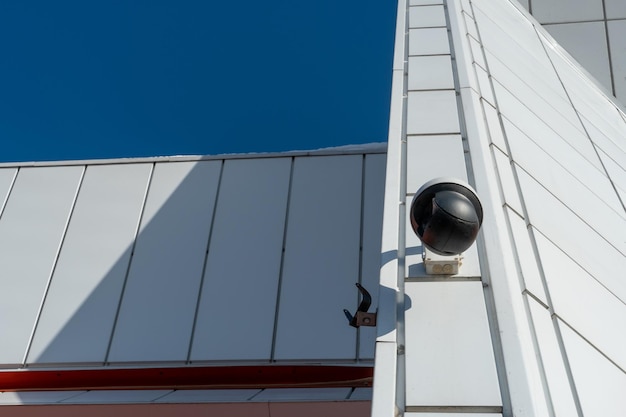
[{"x": 446, "y": 215}]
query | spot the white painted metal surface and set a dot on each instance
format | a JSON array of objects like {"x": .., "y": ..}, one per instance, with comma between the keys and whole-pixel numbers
[
  {"x": 299, "y": 394},
  {"x": 576, "y": 36},
  {"x": 449, "y": 357},
  {"x": 599, "y": 383},
  {"x": 428, "y": 41},
  {"x": 583, "y": 302},
  {"x": 426, "y": 16},
  {"x": 556, "y": 11},
  {"x": 243, "y": 264},
  {"x": 115, "y": 397},
  {"x": 431, "y": 72},
  {"x": 208, "y": 396},
  {"x": 526, "y": 260},
  {"x": 374, "y": 191},
  {"x": 81, "y": 303},
  {"x": 321, "y": 260},
  {"x": 36, "y": 397},
  {"x": 31, "y": 228},
  {"x": 558, "y": 385},
  {"x": 159, "y": 301},
  {"x": 432, "y": 112},
  {"x": 431, "y": 157}
]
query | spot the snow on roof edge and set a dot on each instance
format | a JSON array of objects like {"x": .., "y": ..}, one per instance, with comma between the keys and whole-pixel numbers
[{"x": 367, "y": 148}]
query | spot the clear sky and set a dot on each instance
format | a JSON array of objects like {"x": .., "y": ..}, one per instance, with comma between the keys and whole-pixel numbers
[{"x": 117, "y": 78}]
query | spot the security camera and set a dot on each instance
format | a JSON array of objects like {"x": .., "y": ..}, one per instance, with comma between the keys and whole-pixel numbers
[{"x": 446, "y": 215}]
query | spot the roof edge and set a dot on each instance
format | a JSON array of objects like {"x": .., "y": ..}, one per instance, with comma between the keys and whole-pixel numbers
[{"x": 367, "y": 148}]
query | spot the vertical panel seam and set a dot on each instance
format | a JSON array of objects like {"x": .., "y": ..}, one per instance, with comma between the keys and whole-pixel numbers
[
  {"x": 130, "y": 261},
  {"x": 558, "y": 318},
  {"x": 206, "y": 260},
  {"x": 282, "y": 262},
  {"x": 54, "y": 264},
  {"x": 608, "y": 46},
  {"x": 533, "y": 242},
  {"x": 357, "y": 356},
  {"x": 488, "y": 295},
  {"x": 542, "y": 372},
  {"x": 569, "y": 98},
  {"x": 9, "y": 191}
]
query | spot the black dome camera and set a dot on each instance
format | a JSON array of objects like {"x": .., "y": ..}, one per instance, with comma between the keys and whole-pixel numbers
[{"x": 446, "y": 215}]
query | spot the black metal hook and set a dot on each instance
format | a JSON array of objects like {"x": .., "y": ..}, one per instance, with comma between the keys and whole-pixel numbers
[{"x": 362, "y": 317}]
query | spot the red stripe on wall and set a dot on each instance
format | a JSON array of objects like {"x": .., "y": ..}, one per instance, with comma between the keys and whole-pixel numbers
[{"x": 209, "y": 377}]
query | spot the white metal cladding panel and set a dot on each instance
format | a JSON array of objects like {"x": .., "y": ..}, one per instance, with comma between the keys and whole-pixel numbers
[
  {"x": 31, "y": 230},
  {"x": 508, "y": 185},
  {"x": 542, "y": 131},
  {"x": 617, "y": 35},
  {"x": 526, "y": 256},
  {"x": 208, "y": 395},
  {"x": 238, "y": 302},
  {"x": 607, "y": 139},
  {"x": 584, "y": 303},
  {"x": 546, "y": 160},
  {"x": 477, "y": 52},
  {"x": 576, "y": 238},
  {"x": 303, "y": 394},
  {"x": 430, "y": 157},
  {"x": 509, "y": 27},
  {"x": 586, "y": 42},
  {"x": 546, "y": 98},
  {"x": 426, "y": 16},
  {"x": 428, "y": 41},
  {"x": 615, "y": 9},
  {"x": 430, "y": 72},
  {"x": 600, "y": 116},
  {"x": 555, "y": 11},
  {"x": 484, "y": 84},
  {"x": 77, "y": 317},
  {"x": 424, "y": 2},
  {"x": 606, "y": 217},
  {"x": 552, "y": 360},
  {"x": 432, "y": 112},
  {"x": 374, "y": 191},
  {"x": 600, "y": 384},
  {"x": 493, "y": 125},
  {"x": 159, "y": 301},
  {"x": 616, "y": 172},
  {"x": 321, "y": 260},
  {"x": 7, "y": 175},
  {"x": 362, "y": 394},
  {"x": 449, "y": 357},
  {"x": 36, "y": 397},
  {"x": 115, "y": 396},
  {"x": 527, "y": 70}
]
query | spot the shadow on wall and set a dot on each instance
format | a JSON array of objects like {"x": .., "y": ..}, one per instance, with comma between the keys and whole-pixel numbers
[
  {"x": 385, "y": 327},
  {"x": 144, "y": 307}
]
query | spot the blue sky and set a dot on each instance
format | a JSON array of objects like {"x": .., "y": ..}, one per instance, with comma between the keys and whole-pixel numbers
[{"x": 103, "y": 79}]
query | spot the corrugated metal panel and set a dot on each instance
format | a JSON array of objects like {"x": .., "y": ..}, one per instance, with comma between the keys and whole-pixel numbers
[{"x": 31, "y": 229}]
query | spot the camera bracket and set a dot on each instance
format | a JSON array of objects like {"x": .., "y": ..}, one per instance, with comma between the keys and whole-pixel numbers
[{"x": 362, "y": 317}]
